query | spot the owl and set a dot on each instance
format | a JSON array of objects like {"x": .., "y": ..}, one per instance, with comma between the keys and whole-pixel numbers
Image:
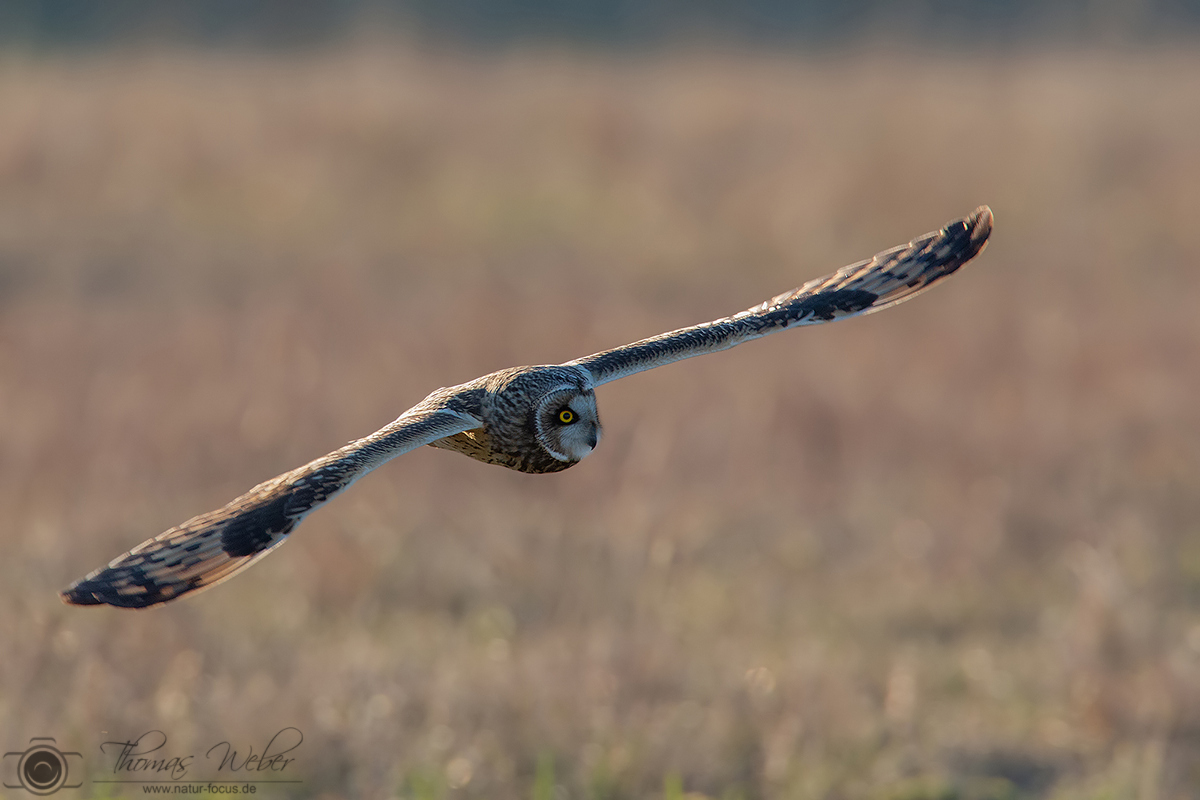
[{"x": 535, "y": 419}]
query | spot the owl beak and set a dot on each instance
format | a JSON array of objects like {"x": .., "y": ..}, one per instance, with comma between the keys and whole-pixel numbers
[{"x": 593, "y": 438}]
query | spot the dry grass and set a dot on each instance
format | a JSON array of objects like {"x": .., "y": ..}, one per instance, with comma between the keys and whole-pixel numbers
[{"x": 948, "y": 551}]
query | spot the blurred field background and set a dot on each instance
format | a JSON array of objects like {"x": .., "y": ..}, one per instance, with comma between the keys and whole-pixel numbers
[{"x": 951, "y": 550}]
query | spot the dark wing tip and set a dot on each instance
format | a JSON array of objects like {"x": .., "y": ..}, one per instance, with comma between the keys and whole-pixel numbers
[
  {"x": 77, "y": 595},
  {"x": 954, "y": 245},
  {"x": 979, "y": 226},
  {"x": 102, "y": 589}
]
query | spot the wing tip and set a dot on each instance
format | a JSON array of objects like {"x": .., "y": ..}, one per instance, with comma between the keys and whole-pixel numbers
[
  {"x": 979, "y": 226},
  {"x": 73, "y": 595},
  {"x": 957, "y": 243},
  {"x": 87, "y": 593},
  {"x": 103, "y": 588}
]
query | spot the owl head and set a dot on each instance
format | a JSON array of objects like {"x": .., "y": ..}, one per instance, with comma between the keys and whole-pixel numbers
[
  {"x": 539, "y": 419},
  {"x": 566, "y": 422}
]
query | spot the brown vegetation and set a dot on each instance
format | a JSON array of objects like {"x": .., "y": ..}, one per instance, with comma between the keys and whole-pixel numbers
[{"x": 949, "y": 550}]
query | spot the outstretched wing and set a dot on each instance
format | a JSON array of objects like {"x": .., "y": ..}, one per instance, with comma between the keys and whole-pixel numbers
[
  {"x": 889, "y": 278},
  {"x": 212, "y": 547}
]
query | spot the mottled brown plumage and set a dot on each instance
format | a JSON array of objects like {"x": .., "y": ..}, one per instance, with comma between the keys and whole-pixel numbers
[
  {"x": 519, "y": 407},
  {"x": 532, "y": 419}
]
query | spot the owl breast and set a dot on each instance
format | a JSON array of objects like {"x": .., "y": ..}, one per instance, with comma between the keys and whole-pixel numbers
[{"x": 478, "y": 445}]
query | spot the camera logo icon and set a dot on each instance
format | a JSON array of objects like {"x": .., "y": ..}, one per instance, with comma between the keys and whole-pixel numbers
[{"x": 41, "y": 768}]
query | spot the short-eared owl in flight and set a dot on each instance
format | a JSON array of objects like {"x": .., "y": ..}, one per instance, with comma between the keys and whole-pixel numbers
[{"x": 532, "y": 419}]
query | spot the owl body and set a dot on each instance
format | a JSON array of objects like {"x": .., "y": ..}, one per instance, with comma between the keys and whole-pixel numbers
[{"x": 534, "y": 419}]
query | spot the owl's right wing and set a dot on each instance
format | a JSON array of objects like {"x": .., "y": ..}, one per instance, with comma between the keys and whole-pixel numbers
[
  {"x": 212, "y": 547},
  {"x": 889, "y": 278}
]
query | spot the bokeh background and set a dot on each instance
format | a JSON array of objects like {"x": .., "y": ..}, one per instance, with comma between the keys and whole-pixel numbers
[{"x": 951, "y": 550}]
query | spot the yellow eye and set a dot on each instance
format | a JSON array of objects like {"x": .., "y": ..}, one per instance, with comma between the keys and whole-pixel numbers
[{"x": 566, "y": 416}]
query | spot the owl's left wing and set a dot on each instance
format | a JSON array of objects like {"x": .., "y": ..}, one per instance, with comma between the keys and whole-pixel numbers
[
  {"x": 212, "y": 547},
  {"x": 889, "y": 278}
]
